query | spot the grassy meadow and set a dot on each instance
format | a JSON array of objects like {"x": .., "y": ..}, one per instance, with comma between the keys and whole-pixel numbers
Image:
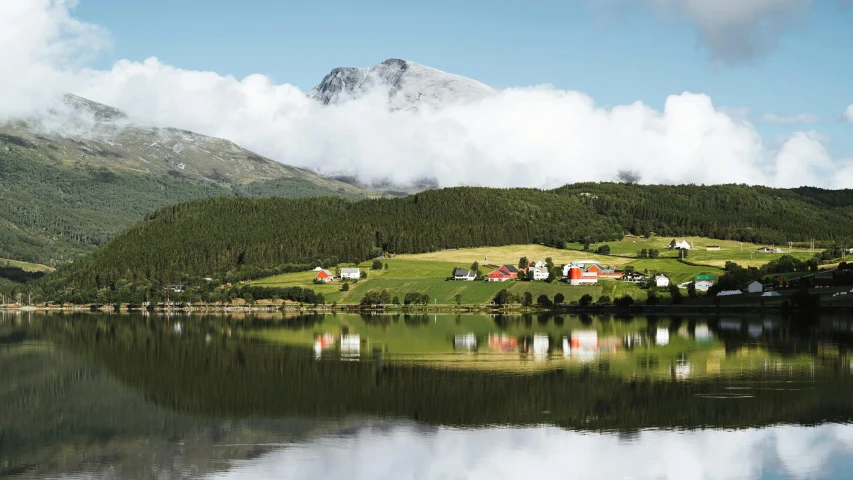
[
  {"x": 744, "y": 254},
  {"x": 27, "y": 267},
  {"x": 428, "y": 272}
]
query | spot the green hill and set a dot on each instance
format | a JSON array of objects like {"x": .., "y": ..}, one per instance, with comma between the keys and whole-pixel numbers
[
  {"x": 68, "y": 189},
  {"x": 215, "y": 237}
]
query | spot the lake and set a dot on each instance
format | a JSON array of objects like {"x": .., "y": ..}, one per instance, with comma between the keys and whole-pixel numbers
[{"x": 425, "y": 396}]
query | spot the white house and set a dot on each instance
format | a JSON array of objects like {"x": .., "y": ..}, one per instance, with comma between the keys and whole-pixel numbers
[
  {"x": 540, "y": 273},
  {"x": 350, "y": 273},
  {"x": 662, "y": 281},
  {"x": 683, "y": 245},
  {"x": 755, "y": 287},
  {"x": 541, "y": 264},
  {"x": 464, "y": 275}
]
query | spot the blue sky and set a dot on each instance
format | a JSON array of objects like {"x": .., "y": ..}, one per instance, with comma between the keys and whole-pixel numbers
[{"x": 617, "y": 53}]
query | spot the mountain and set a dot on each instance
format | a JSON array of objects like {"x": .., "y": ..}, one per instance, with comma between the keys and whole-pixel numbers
[
  {"x": 408, "y": 85},
  {"x": 73, "y": 178},
  {"x": 243, "y": 238}
]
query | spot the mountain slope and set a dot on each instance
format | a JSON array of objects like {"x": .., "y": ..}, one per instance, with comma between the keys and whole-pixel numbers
[
  {"x": 235, "y": 237},
  {"x": 72, "y": 179},
  {"x": 408, "y": 85}
]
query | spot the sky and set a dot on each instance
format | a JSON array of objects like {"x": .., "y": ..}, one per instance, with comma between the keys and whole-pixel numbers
[{"x": 762, "y": 85}]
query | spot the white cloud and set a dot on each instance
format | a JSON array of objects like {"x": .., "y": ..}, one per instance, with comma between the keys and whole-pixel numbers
[
  {"x": 540, "y": 137},
  {"x": 407, "y": 452},
  {"x": 848, "y": 114},
  {"x": 775, "y": 119},
  {"x": 739, "y": 30}
]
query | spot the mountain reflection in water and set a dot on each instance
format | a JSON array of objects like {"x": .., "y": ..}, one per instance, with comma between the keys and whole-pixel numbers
[{"x": 413, "y": 396}]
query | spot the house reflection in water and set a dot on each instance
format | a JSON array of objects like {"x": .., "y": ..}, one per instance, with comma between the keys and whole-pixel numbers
[
  {"x": 502, "y": 343},
  {"x": 681, "y": 370},
  {"x": 583, "y": 345},
  {"x": 662, "y": 337},
  {"x": 465, "y": 342},
  {"x": 322, "y": 343},
  {"x": 703, "y": 334},
  {"x": 540, "y": 347},
  {"x": 350, "y": 347}
]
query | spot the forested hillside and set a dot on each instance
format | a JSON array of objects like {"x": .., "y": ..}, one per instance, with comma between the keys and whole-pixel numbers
[
  {"x": 731, "y": 212},
  {"x": 66, "y": 193},
  {"x": 223, "y": 236}
]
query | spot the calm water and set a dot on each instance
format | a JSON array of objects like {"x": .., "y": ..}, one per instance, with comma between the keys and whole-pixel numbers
[{"x": 422, "y": 397}]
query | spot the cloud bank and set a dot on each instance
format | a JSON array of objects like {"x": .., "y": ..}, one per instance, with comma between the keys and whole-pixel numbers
[
  {"x": 405, "y": 452},
  {"x": 848, "y": 114},
  {"x": 536, "y": 136}
]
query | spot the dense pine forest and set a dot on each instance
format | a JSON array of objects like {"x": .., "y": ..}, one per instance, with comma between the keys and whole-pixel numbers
[{"x": 237, "y": 237}]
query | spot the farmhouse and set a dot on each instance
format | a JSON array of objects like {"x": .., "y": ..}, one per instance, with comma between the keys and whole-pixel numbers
[
  {"x": 610, "y": 272},
  {"x": 498, "y": 276},
  {"x": 662, "y": 281},
  {"x": 769, "y": 250},
  {"x": 324, "y": 276},
  {"x": 577, "y": 275},
  {"x": 634, "y": 277},
  {"x": 464, "y": 275},
  {"x": 683, "y": 245},
  {"x": 755, "y": 287},
  {"x": 539, "y": 273},
  {"x": 703, "y": 282},
  {"x": 350, "y": 273},
  {"x": 178, "y": 287}
]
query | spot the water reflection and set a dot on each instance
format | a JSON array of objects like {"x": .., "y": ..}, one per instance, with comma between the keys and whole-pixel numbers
[
  {"x": 406, "y": 451},
  {"x": 346, "y": 396}
]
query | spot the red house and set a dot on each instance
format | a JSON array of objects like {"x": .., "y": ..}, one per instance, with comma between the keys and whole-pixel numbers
[
  {"x": 506, "y": 272},
  {"x": 325, "y": 276}
]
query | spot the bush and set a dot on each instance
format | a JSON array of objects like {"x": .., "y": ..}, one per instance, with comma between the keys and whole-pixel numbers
[
  {"x": 603, "y": 300},
  {"x": 653, "y": 299},
  {"x": 377, "y": 264},
  {"x": 345, "y": 287},
  {"x": 559, "y": 299},
  {"x": 624, "y": 301},
  {"x": 603, "y": 250},
  {"x": 544, "y": 301},
  {"x": 585, "y": 300}
]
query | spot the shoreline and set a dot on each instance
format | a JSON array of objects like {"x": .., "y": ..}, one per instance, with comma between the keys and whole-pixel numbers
[{"x": 437, "y": 309}]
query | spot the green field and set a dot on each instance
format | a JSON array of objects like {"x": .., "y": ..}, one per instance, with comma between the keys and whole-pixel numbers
[
  {"x": 744, "y": 254},
  {"x": 427, "y": 273},
  {"x": 27, "y": 267}
]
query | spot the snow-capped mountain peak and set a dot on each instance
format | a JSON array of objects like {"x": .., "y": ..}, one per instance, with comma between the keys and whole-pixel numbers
[{"x": 408, "y": 84}]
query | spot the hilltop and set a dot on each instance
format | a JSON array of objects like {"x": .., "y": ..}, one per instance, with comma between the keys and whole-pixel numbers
[
  {"x": 408, "y": 85},
  {"x": 74, "y": 177}
]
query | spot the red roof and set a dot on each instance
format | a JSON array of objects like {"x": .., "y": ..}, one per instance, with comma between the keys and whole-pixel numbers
[
  {"x": 323, "y": 275},
  {"x": 499, "y": 274}
]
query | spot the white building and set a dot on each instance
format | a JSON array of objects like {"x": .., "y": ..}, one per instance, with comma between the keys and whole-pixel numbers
[
  {"x": 683, "y": 245},
  {"x": 541, "y": 264},
  {"x": 662, "y": 281},
  {"x": 540, "y": 273},
  {"x": 755, "y": 287},
  {"x": 464, "y": 275},
  {"x": 729, "y": 293},
  {"x": 350, "y": 273}
]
